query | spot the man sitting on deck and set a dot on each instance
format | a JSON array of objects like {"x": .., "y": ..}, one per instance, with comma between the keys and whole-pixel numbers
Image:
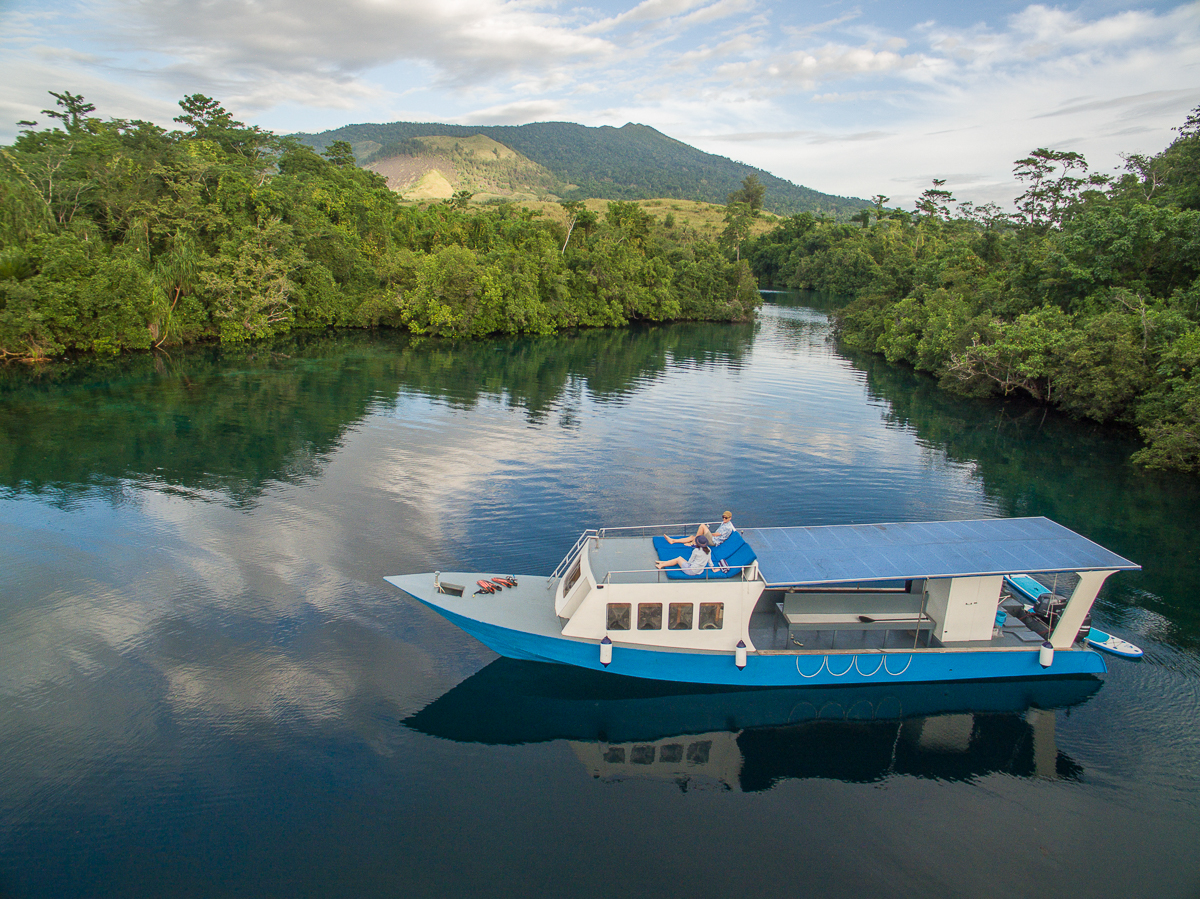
[{"x": 714, "y": 538}]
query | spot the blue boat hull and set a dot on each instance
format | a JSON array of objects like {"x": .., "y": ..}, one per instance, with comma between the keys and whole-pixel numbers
[{"x": 781, "y": 669}]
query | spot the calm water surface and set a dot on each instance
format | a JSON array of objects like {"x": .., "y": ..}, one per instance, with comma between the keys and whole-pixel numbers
[{"x": 207, "y": 690}]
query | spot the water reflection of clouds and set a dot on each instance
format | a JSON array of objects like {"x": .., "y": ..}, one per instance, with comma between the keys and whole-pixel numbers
[{"x": 272, "y": 614}]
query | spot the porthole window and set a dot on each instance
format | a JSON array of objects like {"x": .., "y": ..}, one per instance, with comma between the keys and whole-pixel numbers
[
  {"x": 712, "y": 616},
  {"x": 618, "y": 616},
  {"x": 649, "y": 616},
  {"x": 679, "y": 616}
]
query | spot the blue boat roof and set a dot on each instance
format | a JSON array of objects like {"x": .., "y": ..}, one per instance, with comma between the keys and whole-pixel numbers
[{"x": 839, "y": 554}]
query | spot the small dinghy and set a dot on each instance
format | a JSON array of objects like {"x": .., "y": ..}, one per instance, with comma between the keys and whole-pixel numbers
[{"x": 1115, "y": 645}]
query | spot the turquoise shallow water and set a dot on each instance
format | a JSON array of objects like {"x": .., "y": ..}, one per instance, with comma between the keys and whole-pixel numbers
[{"x": 206, "y": 689}]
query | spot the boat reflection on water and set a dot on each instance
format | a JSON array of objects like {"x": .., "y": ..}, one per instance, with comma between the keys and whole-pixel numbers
[{"x": 750, "y": 739}]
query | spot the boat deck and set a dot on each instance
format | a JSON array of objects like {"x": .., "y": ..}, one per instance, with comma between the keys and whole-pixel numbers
[{"x": 628, "y": 560}]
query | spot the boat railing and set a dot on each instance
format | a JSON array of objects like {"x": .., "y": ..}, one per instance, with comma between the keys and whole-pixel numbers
[
  {"x": 572, "y": 554},
  {"x": 709, "y": 574},
  {"x": 652, "y": 530}
]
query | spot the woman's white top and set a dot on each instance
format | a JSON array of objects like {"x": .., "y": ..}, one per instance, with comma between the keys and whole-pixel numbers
[{"x": 697, "y": 562}]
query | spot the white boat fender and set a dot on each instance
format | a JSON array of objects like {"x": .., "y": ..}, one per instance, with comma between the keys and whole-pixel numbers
[
  {"x": 1046, "y": 654},
  {"x": 606, "y": 652},
  {"x": 739, "y": 655}
]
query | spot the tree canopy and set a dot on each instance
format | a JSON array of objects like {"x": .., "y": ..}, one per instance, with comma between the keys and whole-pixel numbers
[
  {"x": 120, "y": 235},
  {"x": 1088, "y": 298}
]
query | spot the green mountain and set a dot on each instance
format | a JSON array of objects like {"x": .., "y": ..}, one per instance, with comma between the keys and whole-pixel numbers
[{"x": 633, "y": 162}]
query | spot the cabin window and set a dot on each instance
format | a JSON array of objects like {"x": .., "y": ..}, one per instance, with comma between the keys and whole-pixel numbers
[
  {"x": 712, "y": 616},
  {"x": 615, "y": 755},
  {"x": 698, "y": 752},
  {"x": 641, "y": 755},
  {"x": 618, "y": 616},
  {"x": 671, "y": 753},
  {"x": 679, "y": 616},
  {"x": 649, "y": 616}
]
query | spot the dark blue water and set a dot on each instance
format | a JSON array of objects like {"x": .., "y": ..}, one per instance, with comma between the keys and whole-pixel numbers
[{"x": 207, "y": 690}]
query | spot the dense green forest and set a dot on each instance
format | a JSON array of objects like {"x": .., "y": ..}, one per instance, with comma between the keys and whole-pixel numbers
[
  {"x": 1087, "y": 299},
  {"x": 119, "y": 235},
  {"x": 633, "y": 162}
]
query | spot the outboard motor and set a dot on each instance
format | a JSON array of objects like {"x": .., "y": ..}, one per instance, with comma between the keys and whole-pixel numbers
[{"x": 1049, "y": 609}]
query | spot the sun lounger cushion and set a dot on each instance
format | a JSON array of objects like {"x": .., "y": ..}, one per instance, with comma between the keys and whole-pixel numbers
[{"x": 735, "y": 551}]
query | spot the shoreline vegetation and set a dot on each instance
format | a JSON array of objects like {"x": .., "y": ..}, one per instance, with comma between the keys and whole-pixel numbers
[
  {"x": 1087, "y": 299},
  {"x": 120, "y": 235}
]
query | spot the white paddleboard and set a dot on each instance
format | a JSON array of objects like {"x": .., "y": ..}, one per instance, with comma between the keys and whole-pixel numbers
[{"x": 1115, "y": 645}]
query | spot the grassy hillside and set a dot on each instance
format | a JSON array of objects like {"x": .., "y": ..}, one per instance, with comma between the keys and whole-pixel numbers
[
  {"x": 703, "y": 221},
  {"x": 633, "y": 162},
  {"x": 425, "y": 168}
]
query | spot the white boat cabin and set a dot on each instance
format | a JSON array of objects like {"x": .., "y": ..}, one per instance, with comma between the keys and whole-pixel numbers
[{"x": 940, "y": 580}]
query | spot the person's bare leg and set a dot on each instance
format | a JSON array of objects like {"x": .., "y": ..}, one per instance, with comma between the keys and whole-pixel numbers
[
  {"x": 701, "y": 531},
  {"x": 678, "y": 560}
]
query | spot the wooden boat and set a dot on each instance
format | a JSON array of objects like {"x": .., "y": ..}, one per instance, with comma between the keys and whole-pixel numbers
[{"x": 880, "y": 603}]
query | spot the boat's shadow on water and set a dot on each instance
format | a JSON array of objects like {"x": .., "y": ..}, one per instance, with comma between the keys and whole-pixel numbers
[{"x": 750, "y": 739}]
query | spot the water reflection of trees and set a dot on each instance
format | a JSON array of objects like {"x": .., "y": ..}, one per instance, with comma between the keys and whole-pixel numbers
[
  {"x": 1034, "y": 462},
  {"x": 232, "y": 419}
]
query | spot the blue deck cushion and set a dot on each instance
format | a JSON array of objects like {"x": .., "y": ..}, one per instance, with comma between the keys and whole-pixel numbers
[
  {"x": 667, "y": 550},
  {"x": 735, "y": 550},
  {"x": 732, "y": 544}
]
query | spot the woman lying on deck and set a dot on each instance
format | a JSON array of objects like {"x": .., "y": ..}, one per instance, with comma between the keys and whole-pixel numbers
[{"x": 694, "y": 564}]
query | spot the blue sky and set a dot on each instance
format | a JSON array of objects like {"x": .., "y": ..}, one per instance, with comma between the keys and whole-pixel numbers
[{"x": 851, "y": 98}]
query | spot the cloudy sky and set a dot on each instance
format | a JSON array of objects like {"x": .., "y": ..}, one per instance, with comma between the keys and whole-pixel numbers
[{"x": 850, "y": 98}]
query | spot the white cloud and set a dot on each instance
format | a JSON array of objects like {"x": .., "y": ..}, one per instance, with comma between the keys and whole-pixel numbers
[
  {"x": 981, "y": 96},
  {"x": 514, "y": 113},
  {"x": 742, "y": 43},
  {"x": 867, "y": 105},
  {"x": 819, "y": 27},
  {"x": 271, "y": 51},
  {"x": 648, "y": 11},
  {"x": 722, "y": 9}
]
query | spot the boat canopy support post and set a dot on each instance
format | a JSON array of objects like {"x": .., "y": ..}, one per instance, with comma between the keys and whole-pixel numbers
[{"x": 1080, "y": 603}]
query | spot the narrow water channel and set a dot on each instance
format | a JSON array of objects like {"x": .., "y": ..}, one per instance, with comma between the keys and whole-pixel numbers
[{"x": 206, "y": 688}]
